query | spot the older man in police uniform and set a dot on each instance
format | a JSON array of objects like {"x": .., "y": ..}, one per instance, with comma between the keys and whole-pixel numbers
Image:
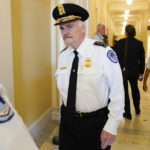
[
  {"x": 90, "y": 84},
  {"x": 100, "y": 34},
  {"x": 14, "y": 134}
]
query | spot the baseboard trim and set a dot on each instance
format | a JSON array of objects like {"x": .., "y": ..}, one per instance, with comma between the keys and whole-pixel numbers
[
  {"x": 43, "y": 127},
  {"x": 37, "y": 123}
]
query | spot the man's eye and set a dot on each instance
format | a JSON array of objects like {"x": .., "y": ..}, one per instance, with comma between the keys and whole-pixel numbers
[
  {"x": 69, "y": 26},
  {"x": 61, "y": 28}
]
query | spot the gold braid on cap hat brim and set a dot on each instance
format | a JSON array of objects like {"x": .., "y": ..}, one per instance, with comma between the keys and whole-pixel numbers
[{"x": 68, "y": 18}]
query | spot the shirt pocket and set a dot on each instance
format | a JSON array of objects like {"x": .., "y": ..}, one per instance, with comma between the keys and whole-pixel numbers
[
  {"x": 87, "y": 78},
  {"x": 62, "y": 77}
]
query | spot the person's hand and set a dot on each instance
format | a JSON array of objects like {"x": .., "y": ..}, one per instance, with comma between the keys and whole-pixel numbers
[
  {"x": 106, "y": 139},
  {"x": 145, "y": 87}
]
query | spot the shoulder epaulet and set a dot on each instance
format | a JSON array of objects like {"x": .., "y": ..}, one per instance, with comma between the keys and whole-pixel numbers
[
  {"x": 63, "y": 49},
  {"x": 100, "y": 44}
]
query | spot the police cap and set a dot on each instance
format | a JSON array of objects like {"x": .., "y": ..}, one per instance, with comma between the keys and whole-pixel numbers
[{"x": 68, "y": 12}]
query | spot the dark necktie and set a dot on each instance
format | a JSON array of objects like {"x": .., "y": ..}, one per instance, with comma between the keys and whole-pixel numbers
[{"x": 73, "y": 84}]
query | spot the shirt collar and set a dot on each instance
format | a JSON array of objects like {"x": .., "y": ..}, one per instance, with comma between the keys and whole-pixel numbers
[
  {"x": 83, "y": 45},
  {"x": 81, "y": 49},
  {"x": 100, "y": 35}
]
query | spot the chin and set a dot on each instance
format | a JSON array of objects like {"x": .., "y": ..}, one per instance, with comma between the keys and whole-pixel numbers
[{"x": 68, "y": 42}]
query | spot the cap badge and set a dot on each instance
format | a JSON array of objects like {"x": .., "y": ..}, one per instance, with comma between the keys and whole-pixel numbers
[
  {"x": 88, "y": 62},
  {"x": 61, "y": 9}
]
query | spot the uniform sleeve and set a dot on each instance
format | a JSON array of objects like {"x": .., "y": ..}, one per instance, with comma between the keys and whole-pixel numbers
[
  {"x": 142, "y": 59},
  {"x": 14, "y": 133},
  {"x": 116, "y": 91}
]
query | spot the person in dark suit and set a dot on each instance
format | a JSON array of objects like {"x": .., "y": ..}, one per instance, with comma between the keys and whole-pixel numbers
[{"x": 135, "y": 64}]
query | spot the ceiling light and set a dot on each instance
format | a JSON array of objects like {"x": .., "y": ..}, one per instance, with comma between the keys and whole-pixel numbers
[
  {"x": 125, "y": 18},
  {"x": 123, "y": 30},
  {"x": 124, "y": 23},
  {"x": 148, "y": 20},
  {"x": 127, "y": 12},
  {"x": 129, "y": 2}
]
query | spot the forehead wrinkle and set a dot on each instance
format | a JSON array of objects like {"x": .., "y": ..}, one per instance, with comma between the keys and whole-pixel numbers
[{"x": 65, "y": 25}]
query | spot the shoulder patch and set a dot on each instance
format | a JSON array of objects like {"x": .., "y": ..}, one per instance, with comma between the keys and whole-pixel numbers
[
  {"x": 100, "y": 44},
  {"x": 112, "y": 56},
  {"x": 63, "y": 49},
  {"x": 6, "y": 112}
]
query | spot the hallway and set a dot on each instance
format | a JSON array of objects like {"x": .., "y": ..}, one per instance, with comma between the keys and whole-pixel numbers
[
  {"x": 132, "y": 134},
  {"x": 29, "y": 48}
]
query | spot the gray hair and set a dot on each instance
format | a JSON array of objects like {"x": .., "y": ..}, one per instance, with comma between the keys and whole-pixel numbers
[
  {"x": 99, "y": 25},
  {"x": 80, "y": 23}
]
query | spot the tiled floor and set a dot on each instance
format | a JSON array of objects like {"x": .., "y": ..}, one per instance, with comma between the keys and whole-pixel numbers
[
  {"x": 132, "y": 134},
  {"x": 135, "y": 134}
]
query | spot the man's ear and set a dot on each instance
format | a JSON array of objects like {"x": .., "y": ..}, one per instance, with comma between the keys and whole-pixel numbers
[{"x": 83, "y": 28}]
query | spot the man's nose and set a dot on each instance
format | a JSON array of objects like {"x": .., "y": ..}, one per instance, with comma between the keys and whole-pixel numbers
[{"x": 66, "y": 30}]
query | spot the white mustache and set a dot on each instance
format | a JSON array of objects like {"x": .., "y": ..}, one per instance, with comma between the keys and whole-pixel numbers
[{"x": 66, "y": 36}]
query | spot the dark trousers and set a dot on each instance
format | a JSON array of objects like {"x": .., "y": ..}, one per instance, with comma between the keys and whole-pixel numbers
[
  {"x": 135, "y": 95},
  {"x": 81, "y": 133}
]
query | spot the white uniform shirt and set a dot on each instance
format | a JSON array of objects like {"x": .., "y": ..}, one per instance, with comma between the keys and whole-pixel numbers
[
  {"x": 14, "y": 134},
  {"x": 148, "y": 63},
  {"x": 95, "y": 83},
  {"x": 98, "y": 37}
]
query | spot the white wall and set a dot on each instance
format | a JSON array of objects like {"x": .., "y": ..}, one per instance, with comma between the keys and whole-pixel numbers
[{"x": 6, "y": 64}]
